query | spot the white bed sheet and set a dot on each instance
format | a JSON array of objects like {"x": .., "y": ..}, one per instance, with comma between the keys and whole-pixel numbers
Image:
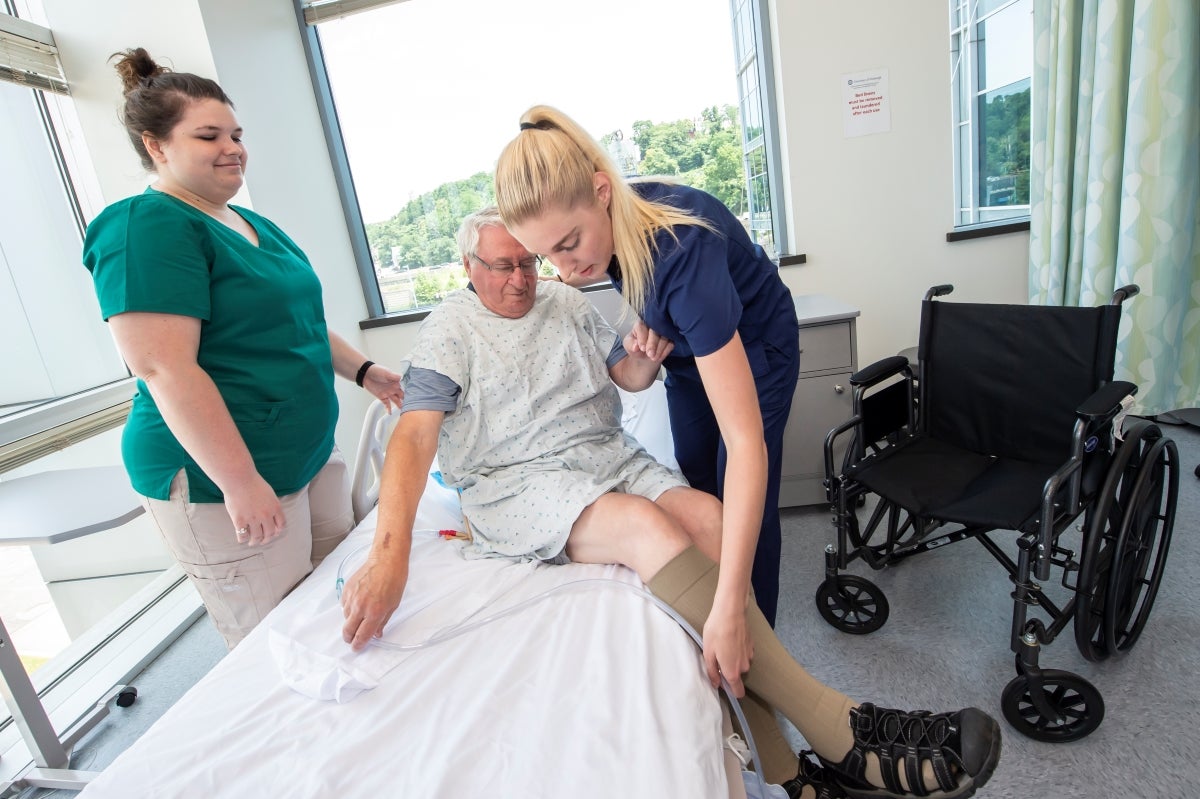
[{"x": 592, "y": 693}]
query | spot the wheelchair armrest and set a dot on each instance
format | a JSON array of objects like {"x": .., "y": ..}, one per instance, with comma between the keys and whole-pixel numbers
[
  {"x": 832, "y": 435},
  {"x": 1059, "y": 481},
  {"x": 1106, "y": 401},
  {"x": 880, "y": 370}
]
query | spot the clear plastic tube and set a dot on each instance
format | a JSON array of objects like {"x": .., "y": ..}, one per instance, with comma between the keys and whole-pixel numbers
[{"x": 586, "y": 582}]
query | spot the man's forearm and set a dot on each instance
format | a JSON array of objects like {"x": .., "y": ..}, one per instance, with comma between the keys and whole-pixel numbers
[
  {"x": 405, "y": 467},
  {"x": 634, "y": 372}
]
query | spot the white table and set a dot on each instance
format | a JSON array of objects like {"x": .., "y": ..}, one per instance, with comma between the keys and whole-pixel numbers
[{"x": 49, "y": 508}]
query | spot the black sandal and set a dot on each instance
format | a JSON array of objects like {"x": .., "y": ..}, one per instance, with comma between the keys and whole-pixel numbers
[
  {"x": 812, "y": 774},
  {"x": 963, "y": 749}
]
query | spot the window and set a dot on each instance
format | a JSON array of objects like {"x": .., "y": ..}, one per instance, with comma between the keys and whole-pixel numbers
[
  {"x": 420, "y": 155},
  {"x": 56, "y": 345},
  {"x": 64, "y": 382},
  {"x": 991, "y": 60},
  {"x": 759, "y": 141}
]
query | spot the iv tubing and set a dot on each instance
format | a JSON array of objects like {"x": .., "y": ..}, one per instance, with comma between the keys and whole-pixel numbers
[{"x": 586, "y": 582}]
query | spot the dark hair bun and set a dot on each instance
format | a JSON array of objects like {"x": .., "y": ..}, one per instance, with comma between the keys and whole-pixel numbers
[{"x": 135, "y": 66}]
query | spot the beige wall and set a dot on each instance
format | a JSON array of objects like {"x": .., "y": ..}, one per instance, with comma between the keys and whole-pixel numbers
[
  {"x": 87, "y": 34},
  {"x": 872, "y": 212}
]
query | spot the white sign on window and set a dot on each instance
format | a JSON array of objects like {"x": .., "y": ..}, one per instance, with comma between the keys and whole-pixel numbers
[{"x": 865, "y": 103}]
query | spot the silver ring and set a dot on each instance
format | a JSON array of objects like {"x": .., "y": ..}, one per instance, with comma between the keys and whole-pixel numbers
[{"x": 243, "y": 531}]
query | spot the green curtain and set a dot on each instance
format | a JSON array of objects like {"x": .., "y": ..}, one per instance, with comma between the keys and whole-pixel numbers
[{"x": 1115, "y": 179}]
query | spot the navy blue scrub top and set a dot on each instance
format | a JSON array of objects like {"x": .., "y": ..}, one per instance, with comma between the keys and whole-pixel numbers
[{"x": 711, "y": 283}]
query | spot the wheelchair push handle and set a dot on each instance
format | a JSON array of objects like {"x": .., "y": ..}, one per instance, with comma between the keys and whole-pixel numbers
[
  {"x": 938, "y": 291},
  {"x": 1125, "y": 292}
]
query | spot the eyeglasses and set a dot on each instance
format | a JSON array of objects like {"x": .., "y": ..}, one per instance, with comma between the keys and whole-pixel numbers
[{"x": 529, "y": 266}]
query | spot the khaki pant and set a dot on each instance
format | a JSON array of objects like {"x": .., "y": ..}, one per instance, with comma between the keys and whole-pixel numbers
[{"x": 239, "y": 584}]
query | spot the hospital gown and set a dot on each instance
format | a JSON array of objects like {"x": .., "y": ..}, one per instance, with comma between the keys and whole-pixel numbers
[{"x": 534, "y": 435}]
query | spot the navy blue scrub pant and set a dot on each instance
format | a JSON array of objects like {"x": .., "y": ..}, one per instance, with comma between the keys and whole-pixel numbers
[{"x": 702, "y": 455}]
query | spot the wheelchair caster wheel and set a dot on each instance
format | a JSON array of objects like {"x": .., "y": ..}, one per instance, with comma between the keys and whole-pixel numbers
[
  {"x": 1071, "y": 696},
  {"x": 126, "y": 696},
  {"x": 852, "y": 604}
]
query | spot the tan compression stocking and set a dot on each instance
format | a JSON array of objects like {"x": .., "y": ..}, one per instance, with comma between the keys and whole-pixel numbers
[
  {"x": 688, "y": 583},
  {"x": 776, "y": 760}
]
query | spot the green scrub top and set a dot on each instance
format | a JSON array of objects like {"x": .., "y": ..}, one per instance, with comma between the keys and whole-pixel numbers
[{"x": 263, "y": 339}]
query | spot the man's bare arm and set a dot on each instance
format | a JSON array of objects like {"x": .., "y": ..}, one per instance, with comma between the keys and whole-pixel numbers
[{"x": 373, "y": 593}]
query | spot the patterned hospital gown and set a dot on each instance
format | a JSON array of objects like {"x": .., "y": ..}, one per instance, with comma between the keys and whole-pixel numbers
[{"x": 536, "y": 434}]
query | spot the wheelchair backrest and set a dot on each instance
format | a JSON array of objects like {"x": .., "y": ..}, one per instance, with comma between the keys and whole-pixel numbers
[{"x": 1006, "y": 380}]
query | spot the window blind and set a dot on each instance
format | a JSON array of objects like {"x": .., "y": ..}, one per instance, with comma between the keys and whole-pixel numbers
[
  {"x": 28, "y": 450},
  {"x": 28, "y": 56},
  {"x": 317, "y": 11}
]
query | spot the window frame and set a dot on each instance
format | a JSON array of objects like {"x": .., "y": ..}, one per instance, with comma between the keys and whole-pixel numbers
[
  {"x": 965, "y": 53},
  {"x": 758, "y": 59},
  {"x": 71, "y": 685},
  {"x": 310, "y": 13},
  {"x": 340, "y": 161},
  {"x": 44, "y": 427}
]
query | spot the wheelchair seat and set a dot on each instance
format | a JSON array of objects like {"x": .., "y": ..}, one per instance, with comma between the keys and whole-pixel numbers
[
  {"x": 1011, "y": 422},
  {"x": 932, "y": 478}
]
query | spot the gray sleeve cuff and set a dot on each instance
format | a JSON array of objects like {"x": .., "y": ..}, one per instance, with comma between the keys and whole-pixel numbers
[
  {"x": 616, "y": 353},
  {"x": 427, "y": 390}
]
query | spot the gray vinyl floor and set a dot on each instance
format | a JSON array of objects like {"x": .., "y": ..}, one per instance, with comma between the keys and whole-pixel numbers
[{"x": 945, "y": 646}]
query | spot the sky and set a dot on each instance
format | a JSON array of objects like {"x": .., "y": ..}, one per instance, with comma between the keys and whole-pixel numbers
[{"x": 429, "y": 91}]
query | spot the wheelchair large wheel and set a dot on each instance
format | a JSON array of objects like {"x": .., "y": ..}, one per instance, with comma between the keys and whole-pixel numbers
[
  {"x": 1073, "y": 698},
  {"x": 1140, "y": 551},
  {"x": 1126, "y": 537},
  {"x": 852, "y": 604}
]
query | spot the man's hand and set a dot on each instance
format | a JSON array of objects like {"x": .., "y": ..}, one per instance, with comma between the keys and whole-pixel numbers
[{"x": 369, "y": 599}]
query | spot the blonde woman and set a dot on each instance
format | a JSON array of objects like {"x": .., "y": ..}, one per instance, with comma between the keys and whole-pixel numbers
[{"x": 698, "y": 283}]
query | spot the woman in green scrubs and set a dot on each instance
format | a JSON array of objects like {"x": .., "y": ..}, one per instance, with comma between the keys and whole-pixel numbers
[{"x": 219, "y": 315}]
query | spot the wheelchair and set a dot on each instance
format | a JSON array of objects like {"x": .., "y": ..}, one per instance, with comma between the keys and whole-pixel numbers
[{"x": 1010, "y": 422}]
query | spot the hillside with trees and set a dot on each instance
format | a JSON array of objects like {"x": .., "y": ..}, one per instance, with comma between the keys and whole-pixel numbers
[
  {"x": 705, "y": 152},
  {"x": 1005, "y": 167}
]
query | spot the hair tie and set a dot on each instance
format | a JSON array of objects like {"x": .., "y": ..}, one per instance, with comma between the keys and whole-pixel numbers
[{"x": 528, "y": 125}]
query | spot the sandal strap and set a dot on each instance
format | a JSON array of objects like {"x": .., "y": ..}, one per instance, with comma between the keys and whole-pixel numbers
[
  {"x": 903, "y": 740},
  {"x": 815, "y": 776}
]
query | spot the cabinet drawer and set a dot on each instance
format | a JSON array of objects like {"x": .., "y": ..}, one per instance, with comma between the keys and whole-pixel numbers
[
  {"x": 820, "y": 403},
  {"x": 826, "y": 347}
]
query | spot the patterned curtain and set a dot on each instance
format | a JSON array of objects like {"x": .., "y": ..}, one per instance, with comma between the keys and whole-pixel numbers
[{"x": 1115, "y": 179}]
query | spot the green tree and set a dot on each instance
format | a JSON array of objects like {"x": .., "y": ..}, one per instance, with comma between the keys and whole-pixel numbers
[
  {"x": 656, "y": 161},
  {"x": 423, "y": 230},
  {"x": 427, "y": 289},
  {"x": 1004, "y": 149}
]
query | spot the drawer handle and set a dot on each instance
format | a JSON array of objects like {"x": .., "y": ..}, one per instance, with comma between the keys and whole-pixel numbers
[{"x": 839, "y": 390}]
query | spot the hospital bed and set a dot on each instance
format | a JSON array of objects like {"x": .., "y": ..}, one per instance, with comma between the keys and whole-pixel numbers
[{"x": 585, "y": 690}]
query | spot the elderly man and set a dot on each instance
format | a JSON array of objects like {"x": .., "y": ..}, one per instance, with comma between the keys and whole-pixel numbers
[{"x": 511, "y": 386}]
